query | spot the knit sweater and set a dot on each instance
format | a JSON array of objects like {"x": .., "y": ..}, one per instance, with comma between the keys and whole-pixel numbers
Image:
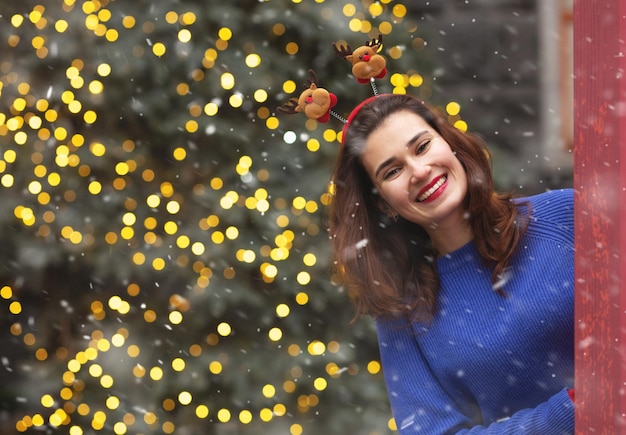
[{"x": 487, "y": 363}]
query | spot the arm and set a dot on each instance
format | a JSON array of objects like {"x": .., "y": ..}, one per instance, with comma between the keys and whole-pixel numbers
[{"x": 421, "y": 403}]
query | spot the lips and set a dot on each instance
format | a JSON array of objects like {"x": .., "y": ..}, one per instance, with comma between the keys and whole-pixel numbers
[{"x": 427, "y": 192}]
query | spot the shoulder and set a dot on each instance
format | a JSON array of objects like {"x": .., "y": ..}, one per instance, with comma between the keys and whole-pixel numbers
[
  {"x": 551, "y": 213},
  {"x": 552, "y": 205},
  {"x": 553, "y": 200}
]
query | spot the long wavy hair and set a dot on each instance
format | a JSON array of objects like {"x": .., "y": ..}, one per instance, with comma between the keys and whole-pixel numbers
[{"x": 388, "y": 267}]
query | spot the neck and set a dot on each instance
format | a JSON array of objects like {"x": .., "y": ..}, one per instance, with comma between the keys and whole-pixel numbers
[{"x": 450, "y": 236}]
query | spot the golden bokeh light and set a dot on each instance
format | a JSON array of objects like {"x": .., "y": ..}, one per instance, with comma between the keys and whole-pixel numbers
[{"x": 86, "y": 184}]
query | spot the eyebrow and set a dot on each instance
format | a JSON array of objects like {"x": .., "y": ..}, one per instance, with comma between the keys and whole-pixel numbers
[{"x": 408, "y": 144}]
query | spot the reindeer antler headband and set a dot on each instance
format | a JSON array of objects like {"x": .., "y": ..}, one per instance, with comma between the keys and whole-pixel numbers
[{"x": 317, "y": 103}]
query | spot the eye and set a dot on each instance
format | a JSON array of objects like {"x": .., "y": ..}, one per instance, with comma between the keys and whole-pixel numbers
[
  {"x": 390, "y": 173},
  {"x": 422, "y": 146}
]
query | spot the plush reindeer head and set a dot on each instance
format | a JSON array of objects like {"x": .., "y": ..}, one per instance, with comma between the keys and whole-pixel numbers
[
  {"x": 314, "y": 101},
  {"x": 366, "y": 62}
]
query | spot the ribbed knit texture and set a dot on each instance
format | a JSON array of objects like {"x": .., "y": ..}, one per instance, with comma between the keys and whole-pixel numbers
[{"x": 488, "y": 363}]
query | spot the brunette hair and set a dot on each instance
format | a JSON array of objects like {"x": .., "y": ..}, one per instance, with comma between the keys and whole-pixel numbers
[{"x": 388, "y": 267}]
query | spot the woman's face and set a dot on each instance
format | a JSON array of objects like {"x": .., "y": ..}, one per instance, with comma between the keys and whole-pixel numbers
[{"x": 415, "y": 171}]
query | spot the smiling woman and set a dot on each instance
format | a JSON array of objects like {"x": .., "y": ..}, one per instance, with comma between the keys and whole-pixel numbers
[
  {"x": 371, "y": 161},
  {"x": 472, "y": 290}
]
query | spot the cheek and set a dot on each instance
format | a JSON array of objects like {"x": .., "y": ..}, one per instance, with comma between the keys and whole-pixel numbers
[
  {"x": 394, "y": 193},
  {"x": 462, "y": 177},
  {"x": 458, "y": 166}
]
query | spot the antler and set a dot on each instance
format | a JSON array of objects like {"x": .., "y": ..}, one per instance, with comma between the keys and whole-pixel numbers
[
  {"x": 376, "y": 42},
  {"x": 289, "y": 107},
  {"x": 312, "y": 80},
  {"x": 342, "y": 50}
]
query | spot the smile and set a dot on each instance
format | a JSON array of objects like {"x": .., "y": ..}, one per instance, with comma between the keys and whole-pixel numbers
[{"x": 425, "y": 195}]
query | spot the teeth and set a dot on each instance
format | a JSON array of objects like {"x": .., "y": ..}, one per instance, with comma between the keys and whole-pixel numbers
[{"x": 432, "y": 190}]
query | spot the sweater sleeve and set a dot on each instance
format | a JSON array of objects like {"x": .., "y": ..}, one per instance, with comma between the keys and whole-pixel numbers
[{"x": 422, "y": 404}]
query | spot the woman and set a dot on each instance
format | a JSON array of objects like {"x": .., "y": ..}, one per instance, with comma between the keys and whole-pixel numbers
[{"x": 472, "y": 291}]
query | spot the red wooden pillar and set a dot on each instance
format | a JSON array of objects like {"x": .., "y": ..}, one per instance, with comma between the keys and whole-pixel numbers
[{"x": 600, "y": 212}]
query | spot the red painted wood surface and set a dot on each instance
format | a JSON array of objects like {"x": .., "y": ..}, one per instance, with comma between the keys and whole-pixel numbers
[{"x": 600, "y": 212}]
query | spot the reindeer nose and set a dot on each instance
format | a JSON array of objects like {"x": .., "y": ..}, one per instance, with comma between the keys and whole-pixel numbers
[
  {"x": 309, "y": 100},
  {"x": 366, "y": 58}
]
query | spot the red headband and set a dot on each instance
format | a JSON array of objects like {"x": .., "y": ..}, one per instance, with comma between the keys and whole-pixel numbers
[{"x": 354, "y": 112}]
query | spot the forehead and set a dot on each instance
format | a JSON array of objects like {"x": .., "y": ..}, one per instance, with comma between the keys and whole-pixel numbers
[
  {"x": 397, "y": 129},
  {"x": 405, "y": 118}
]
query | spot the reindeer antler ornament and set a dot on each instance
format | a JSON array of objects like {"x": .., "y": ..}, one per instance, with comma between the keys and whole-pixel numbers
[
  {"x": 315, "y": 101},
  {"x": 367, "y": 63}
]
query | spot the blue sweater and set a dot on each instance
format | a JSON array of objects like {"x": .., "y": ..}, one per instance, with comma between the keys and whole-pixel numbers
[{"x": 491, "y": 364}]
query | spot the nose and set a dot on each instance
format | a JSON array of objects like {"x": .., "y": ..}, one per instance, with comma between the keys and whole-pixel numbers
[{"x": 418, "y": 170}]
